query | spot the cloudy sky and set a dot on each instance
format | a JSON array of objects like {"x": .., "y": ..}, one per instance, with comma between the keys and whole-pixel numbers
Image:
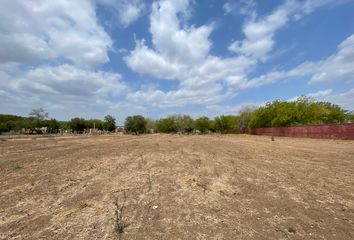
[{"x": 89, "y": 58}]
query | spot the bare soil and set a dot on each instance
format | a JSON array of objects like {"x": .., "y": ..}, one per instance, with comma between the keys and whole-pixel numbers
[{"x": 176, "y": 187}]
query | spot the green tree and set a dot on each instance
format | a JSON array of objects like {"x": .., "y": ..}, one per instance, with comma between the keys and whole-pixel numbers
[
  {"x": 202, "y": 124},
  {"x": 227, "y": 124},
  {"x": 151, "y": 125},
  {"x": 167, "y": 125},
  {"x": 184, "y": 123},
  {"x": 77, "y": 124},
  {"x": 38, "y": 115},
  {"x": 135, "y": 124},
  {"x": 52, "y": 125},
  {"x": 302, "y": 111},
  {"x": 3, "y": 127},
  {"x": 109, "y": 123},
  {"x": 245, "y": 116},
  {"x": 350, "y": 117}
]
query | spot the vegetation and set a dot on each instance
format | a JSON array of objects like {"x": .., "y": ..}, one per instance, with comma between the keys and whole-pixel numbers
[
  {"x": 303, "y": 111},
  {"x": 202, "y": 124},
  {"x": 135, "y": 124},
  {"x": 109, "y": 123},
  {"x": 227, "y": 124},
  {"x": 166, "y": 125}
]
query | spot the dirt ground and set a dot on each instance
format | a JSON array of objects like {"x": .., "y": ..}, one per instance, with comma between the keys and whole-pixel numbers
[{"x": 176, "y": 187}]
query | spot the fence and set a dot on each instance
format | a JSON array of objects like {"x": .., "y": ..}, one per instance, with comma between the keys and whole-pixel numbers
[{"x": 335, "y": 131}]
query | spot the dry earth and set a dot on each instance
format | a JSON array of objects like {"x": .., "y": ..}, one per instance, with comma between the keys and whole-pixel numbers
[{"x": 176, "y": 187}]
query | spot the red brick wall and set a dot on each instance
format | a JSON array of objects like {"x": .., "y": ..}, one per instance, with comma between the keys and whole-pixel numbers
[{"x": 335, "y": 131}]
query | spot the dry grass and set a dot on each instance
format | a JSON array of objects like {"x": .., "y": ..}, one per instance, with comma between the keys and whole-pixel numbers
[{"x": 176, "y": 187}]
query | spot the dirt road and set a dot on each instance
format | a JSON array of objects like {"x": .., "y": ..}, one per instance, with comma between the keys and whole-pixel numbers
[{"x": 176, "y": 187}]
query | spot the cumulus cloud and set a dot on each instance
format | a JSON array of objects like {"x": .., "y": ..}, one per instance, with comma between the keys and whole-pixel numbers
[
  {"x": 66, "y": 36},
  {"x": 335, "y": 68},
  {"x": 259, "y": 31},
  {"x": 127, "y": 11},
  {"x": 182, "y": 53},
  {"x": 344, "y": 99},
  {"x": 339, "y": 66},
  {"x": 48, "y": 30},
  {"x": 243, "y": 7},
  {"x": 64, "y": 81}
]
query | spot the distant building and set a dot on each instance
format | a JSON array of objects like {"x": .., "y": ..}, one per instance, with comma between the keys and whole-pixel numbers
[{"x": 119, "y": 129}]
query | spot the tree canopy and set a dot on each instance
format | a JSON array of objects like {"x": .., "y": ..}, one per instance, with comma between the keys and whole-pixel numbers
[
  {"x": 135, "y": 124},
  {"x": 303, "y": 111}
]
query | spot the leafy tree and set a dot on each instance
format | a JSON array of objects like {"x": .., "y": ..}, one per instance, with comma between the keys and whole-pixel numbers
[
  {"x": 166, "y": 125},
  {"x": 151, "y": 125},
  {"x": 38, "y": 115},
  {"x": 245, "y": 116},
  {"x": 94, "y": 123},
  {"x": 3, "y": 127},
  {"x": 77, "y": 124},
  {"x": 202, "y": 124},
  {"x": 227, "y": 124},
  {"x": 109, "y": 123},
  {"x": 350, "y": 117},
  {"x": 135, "y": 124},
  {"x": 184, "y": 123},
  {"x": 303, "y": 111},
  {"x": 52, "y": 125}
]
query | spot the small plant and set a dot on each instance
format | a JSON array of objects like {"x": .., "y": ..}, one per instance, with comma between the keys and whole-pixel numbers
[
  {"x": 291, "y": 230},
  {"x": 17, "y": 167},
  {"x": 120, "y": 225},
  {"x": 273, "y": 138}
]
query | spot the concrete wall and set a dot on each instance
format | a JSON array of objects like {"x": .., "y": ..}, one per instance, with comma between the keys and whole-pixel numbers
[{"x": 333, "y": 131}]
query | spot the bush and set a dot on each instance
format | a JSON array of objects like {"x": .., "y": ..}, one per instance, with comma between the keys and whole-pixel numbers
[
  {"x": 303, "y": 111},
  {"x": 135, "y": 124},
  {"x": 166, "y": 125}
]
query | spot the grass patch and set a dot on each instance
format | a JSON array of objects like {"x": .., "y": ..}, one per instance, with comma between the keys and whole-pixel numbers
[{"x": 17, "y": 167}]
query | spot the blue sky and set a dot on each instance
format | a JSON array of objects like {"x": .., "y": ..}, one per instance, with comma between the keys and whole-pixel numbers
[{"x": 90, "y": 58}]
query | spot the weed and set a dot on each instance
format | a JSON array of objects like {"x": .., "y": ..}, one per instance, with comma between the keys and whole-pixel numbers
[
  {"x": 120, "y": 225},
  {"x": 273, "y": 138},
  {"x": 17, "y": 167},
  {"x": 203, "y": 185},
  {"x": 149, "y": 182},
  {"x": 291, "y": 230}
]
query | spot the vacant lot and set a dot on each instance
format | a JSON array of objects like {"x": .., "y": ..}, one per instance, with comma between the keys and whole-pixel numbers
[{"x": 176, "y": 187}]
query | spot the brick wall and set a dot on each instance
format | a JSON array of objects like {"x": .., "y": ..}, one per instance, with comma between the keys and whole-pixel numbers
[{"x": 334, "y": 131}]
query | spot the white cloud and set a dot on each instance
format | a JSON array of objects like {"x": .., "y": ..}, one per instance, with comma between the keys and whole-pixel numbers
[
  {"x": 335, "y": 68},
  {"x": 48, "y": 30},
  {"x": 128, "y": 11},
  {"x": 316, "y": 95},
  {"x": 147, "y": 61},
  {"x": 66, "y": 81},
  {"x": 343, "y": 99},
  {"x": 227, "y": 8},
  {"x": 259, "y": 31},
  {"x": 244, "y": 7},
  {"x": 67, "y": 37},
  {"x": 182, "y": 53}
]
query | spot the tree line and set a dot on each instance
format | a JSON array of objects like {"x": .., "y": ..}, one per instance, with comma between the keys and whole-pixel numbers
[
  {"x": 38, "y": 118},
  {"x": 303, "y": 111}
]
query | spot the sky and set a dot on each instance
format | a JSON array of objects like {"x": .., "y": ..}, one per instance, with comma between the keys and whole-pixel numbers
[{"x": 90, "y": 58}]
